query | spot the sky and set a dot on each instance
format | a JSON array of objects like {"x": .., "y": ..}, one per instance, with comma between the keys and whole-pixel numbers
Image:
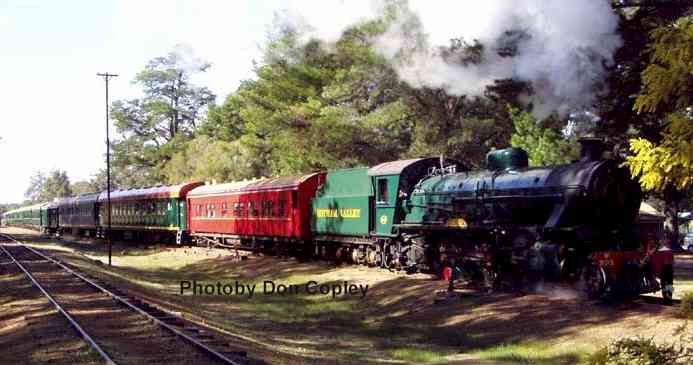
[{"x": 52, "y": 102}]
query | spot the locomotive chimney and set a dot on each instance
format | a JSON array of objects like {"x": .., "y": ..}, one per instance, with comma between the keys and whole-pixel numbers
[{"x": 591, "y": 149}]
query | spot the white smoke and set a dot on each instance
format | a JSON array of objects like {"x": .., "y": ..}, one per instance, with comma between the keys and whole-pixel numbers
[
  {"x": 563, "y": 55},
  {"x": 185, "y": 58}
]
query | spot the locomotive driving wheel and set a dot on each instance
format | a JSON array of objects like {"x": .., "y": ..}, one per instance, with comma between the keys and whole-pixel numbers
[{"x": 594, "y": 280}]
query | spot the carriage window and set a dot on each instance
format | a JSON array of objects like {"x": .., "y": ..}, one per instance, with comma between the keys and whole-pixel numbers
[
  {"x": 267, "y": 208},
  {"x": 252, "y": 209},
  {"x": 294, "y": 199},
  {"x": 382, "y": 191},
  {"x": 224, "y": 211},
  {"x": 281, "y": 209},
  {"x": 237, "y": 209}
]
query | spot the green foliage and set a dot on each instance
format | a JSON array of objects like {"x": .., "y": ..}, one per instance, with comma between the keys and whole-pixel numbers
[
  {"x": 36, "y": 183},
  {"x": 225, "y": 122},
  {"x": 667, "y": 88},
  {"x": 204, "y": 159},
  {"x": 669, "y": 163},
  {"x": 645, "y": 351},
  {"x": 43, "y": 188},
  {"x": 544, "y": 144},
  {"x": 668, "y": 79},
  {"x": 687, "y": 305},
  {"x": 81, "y": 187},
  {"x": 97, "y": 183},
  {"x": 312, "y": 108}
]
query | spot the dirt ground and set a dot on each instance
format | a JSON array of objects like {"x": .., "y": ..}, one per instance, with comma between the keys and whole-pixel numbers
[
  {"x": 31, "y": 329},
  {"x": 396, "y": 322}
]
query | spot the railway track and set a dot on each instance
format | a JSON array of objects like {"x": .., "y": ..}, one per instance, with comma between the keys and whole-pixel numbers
[{"x": 121, "y": 328}]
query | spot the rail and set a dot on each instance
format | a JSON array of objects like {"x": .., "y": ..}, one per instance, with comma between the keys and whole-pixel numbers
[
  {"x": 195, "y": 342},
  {"x": 60, "y": 309}
]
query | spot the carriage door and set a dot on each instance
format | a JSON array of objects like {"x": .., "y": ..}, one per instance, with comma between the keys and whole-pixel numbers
[
  {"x": 182, "y": 215},
  {"x": 385, "y": 198}
]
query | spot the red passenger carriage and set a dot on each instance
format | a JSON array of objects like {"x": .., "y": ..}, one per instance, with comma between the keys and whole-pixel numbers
[{"x": 273, "y": 209}]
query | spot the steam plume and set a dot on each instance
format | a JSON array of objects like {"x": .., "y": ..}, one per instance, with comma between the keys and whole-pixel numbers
[{"x": 561, "y": 47}]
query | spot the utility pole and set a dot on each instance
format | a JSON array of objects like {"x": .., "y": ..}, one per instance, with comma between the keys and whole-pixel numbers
[{"x": 107, "y": 76}]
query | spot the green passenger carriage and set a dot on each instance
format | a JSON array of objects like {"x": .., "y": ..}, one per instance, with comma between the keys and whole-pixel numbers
[
  {"x": 156, "y": 211},
  {"x": 29, "y": 216}
]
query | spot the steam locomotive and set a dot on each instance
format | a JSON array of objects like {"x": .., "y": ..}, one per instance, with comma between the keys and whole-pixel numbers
[
  {"x": 507, "y": 225},
  {"x": 572, "y": 222}
]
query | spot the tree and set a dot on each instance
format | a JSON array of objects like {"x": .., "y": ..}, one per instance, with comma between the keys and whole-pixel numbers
[
  {"x": 314, "y": 108},
  {"x": 204, "y": 159},
  {"x": 35, "y": 189},
  {"x": 665, "y": 167},
  {"x": 44, "y": 188},
  {"x": 545, "y": 144},
  {"x": 154, "y": 127},
  {"x": 225, "y": 122},
  {"x": 667, "y": 85},
  {"x": 57, "y": 185}
]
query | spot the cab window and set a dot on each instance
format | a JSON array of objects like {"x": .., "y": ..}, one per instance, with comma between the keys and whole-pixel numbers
[{"x": 382, "y": 191}]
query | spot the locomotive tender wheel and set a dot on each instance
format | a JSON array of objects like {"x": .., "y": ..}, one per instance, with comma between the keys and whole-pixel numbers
[{"x": 594, "y": 280}]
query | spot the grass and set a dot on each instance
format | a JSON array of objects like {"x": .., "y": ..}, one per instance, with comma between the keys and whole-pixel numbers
[
  {"x": 419, "y": 355},
  {"x": 534, "y": 353},
  {"x": 687, "y": 305}
]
